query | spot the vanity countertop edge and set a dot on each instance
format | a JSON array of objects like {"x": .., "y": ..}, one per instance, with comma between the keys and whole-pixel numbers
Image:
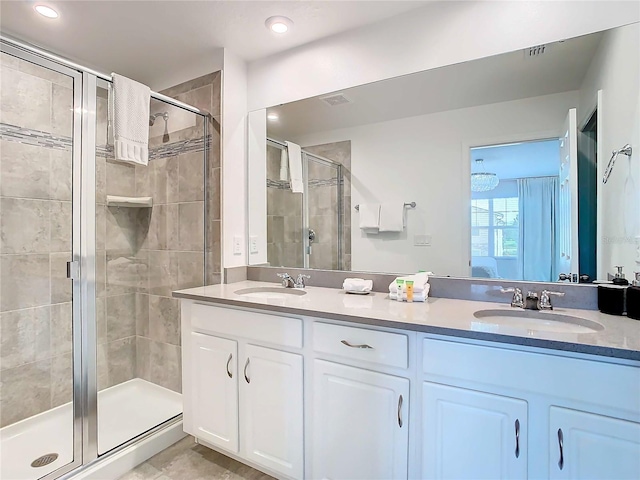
[{"x": 620, "y": 338}]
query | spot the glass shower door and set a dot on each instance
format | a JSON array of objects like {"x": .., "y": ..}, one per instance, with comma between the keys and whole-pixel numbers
[
  {"x": 40, "y": 415},
  {"x": 323, "y": 208}
]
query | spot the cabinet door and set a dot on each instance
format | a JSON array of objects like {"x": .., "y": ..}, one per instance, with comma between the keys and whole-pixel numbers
[
  {"x": 360, "y": 426},
  {"x": 589, "y": 446},
  {"x": 215, "y": 390},
  {"x": 472, "y": 435},
  {"x": 271, "y": 410}
]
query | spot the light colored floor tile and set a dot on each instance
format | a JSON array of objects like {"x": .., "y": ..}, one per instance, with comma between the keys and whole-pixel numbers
[{"x": 186, "y": 460}]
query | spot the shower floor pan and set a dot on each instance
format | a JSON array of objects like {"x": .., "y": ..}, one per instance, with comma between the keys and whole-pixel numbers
[{"x": 124, "y": 411}]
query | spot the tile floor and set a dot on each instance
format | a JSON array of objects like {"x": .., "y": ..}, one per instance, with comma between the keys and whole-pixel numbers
[{"x": 187, "y": 460}]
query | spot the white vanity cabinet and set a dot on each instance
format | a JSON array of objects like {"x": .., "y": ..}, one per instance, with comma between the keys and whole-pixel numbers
[
  {"x": 360, "y": 428},
  {"x": 360, "y": 411},
  {"x": 576, "y": 419},
  {"x": 472, "y": 435},
  {"x": 243, "y": 392},
  {"x": 213, "y": 397},
  {"x": 592, "y": 446}
]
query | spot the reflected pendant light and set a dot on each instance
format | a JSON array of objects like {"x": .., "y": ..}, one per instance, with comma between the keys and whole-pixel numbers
[{"x": 483, "y": 181}]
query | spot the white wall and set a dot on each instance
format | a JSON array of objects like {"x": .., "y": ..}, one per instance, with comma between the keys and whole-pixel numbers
[
  {"x": 616, "y": 71},
  {"x": 234, "y": 145},
  {"x": 426, "y": 159},
  {"x": 440, "y": 34}
]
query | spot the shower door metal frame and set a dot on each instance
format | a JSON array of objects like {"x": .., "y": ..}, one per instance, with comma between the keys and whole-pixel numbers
[
  {"x": 78, "y": 223},
  {"x": 85, "y": 392},
  {"x": 305, "y": 206}
]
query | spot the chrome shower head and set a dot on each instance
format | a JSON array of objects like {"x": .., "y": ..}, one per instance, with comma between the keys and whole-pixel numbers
[{"x": 152, "y": 117}]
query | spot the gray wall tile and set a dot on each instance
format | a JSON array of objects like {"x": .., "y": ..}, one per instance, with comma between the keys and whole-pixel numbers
[
  {"x": 121, "y": 356},
  {"x": 25, "y": 170},
  {"x": 61, "y": 328},
  {"x": 191, "y": 226},
  {"x": 121, "y": 316},
  {"x": 24, "y": 225},
  {"x": 26, "y": 391},
  {"x": 61, "y": 219},
  {"x": 164, "y": 319},
  {"x": 61, "y": 380},
  {"x": 166, "y": 366},
  {"x": 24, "y": 281}
]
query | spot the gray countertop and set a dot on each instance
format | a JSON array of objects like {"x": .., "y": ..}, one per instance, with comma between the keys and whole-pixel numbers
[{"x": 620, "y": 337}]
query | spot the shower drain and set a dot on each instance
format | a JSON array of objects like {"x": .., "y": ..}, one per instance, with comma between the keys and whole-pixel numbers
[{"x": 44, "y": 460}]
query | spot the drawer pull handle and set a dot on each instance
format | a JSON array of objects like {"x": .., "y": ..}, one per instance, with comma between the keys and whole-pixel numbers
[
  {"x": 364, "y": 345},
  {"x": 400, "y": 411},
  {"x": 561, "y": 446},
  {"x": 246, "y": 365},
  {"x": 517, "y": 438},
  {"x": 228, "y": 362}
]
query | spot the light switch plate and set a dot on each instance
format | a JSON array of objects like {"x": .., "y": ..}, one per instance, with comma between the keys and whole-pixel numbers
[
  {"x": 253, "y": 244},
  {"x": 237, "y": 245},
  {"x": 422, "y": 240}
]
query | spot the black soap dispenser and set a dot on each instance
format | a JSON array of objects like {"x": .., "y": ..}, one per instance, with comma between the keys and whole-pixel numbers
[
  {"x": 612, "y": 297},
  {"x": 633, "y": 298}
]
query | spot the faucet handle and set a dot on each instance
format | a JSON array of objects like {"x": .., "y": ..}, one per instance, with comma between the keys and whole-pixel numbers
[
  {"x": 300, "y": 283},
  {"x": 287, "y": 280},
  {"x": 518, "y": 299},
  {"x": 545, "y": 299},
  {"x": 283, "y": 275}
]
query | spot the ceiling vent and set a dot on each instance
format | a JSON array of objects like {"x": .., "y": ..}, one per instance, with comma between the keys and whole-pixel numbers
[
  {"x": 335, "y": 99},
  {"x": 536, "y": 51}
]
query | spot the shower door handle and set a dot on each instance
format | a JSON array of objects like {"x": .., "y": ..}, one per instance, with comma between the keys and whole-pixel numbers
[{"x": 73, "y": 269}]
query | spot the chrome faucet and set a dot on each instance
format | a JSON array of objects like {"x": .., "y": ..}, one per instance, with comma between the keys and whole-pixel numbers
[
  {"x": 533, "y": 300},
  {"x": 287, "y": 280}
]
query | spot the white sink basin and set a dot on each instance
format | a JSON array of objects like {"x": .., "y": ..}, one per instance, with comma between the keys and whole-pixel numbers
[
  {"x": 539, "y": 320},
  {"x": 270, "y": 292}
]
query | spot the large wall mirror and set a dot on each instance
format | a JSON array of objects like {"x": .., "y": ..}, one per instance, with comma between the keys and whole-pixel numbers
[{"x": 492, "y": 168}]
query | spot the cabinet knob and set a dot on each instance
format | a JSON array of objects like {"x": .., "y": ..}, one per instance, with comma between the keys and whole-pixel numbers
[
  {"x": 228, "y": 362},
  {"x": 246, "y": 365}
]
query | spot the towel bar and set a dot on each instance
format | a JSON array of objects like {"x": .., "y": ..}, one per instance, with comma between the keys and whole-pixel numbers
[{"x": 410, "y": 205}]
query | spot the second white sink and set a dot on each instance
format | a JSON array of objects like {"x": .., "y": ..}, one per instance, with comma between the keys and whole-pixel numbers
[{"x": 540, "y": 320}]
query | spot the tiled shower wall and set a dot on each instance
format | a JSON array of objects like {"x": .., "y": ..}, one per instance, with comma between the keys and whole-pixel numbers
[
  {"x": 35, "y": 227},
  {"x": 284, "y": 217},
  {"x": 149, "y": 252}
]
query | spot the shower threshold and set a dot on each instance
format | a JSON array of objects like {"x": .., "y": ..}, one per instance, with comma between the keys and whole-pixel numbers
[{"x": 124, "y": 412}]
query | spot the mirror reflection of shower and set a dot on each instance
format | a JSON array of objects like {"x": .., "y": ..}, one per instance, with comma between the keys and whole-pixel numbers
[{"x": 165, "y": 116}]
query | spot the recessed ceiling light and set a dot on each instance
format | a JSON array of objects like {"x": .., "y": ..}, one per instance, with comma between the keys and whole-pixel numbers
[
  {"x": 279, "y": 24},
  {"x": 272, "y": 116},
  {"x": 46, "y": 11}
]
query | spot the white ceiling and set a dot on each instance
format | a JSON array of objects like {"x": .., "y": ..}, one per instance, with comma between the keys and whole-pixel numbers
[
  {"x": 519, "y": 160},
  {"x": 500, "y": 78},
  {"x": 152, "y": 40}
]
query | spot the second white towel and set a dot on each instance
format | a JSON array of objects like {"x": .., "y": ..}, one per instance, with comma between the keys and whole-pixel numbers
[{"x": 392, "y": 217}]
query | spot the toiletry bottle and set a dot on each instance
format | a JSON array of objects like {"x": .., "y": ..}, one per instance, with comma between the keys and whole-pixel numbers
[
  {"x": 400, "y": 294},
  {"x": 409, "y": 286},
  {"x": 633, "y": 298}
]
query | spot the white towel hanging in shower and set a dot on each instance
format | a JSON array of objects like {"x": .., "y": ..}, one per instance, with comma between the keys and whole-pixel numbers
[
  {"x": 295, "y": 167},
  {"x": 129, "y": 115}
]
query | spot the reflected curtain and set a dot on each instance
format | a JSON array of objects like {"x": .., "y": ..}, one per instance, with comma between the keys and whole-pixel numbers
[{"x": 537, "y": 242}]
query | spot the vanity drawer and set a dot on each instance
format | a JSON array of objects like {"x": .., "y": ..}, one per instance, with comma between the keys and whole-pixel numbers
[
  {"x": 390, "y": 349},
  {"x": 275, "y": 329}
]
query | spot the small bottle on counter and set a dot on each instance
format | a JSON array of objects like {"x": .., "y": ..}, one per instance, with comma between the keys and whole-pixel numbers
[
  {"x": 409, "y": 287},
  {"x": 633, "y": 298},
  {"x": 612, "y": 297},
  {"x": 400, "y": 294}
]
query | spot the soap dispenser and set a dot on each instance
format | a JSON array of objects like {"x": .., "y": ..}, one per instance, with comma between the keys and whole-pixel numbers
[
  {"x": 612, "y": 296},
  {"x": 633, "y": 298}
]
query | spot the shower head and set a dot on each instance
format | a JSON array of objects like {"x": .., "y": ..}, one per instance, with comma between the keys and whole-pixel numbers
[
  {"x": 152, "y": 117},
  {"x": 165, "y": 116}
]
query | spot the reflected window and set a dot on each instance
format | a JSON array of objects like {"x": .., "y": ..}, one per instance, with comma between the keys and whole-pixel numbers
[{"x": 494, "y": 227}]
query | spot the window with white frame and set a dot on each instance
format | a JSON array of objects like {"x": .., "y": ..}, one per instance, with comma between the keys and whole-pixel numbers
[{"x": 494, "y": 227}]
